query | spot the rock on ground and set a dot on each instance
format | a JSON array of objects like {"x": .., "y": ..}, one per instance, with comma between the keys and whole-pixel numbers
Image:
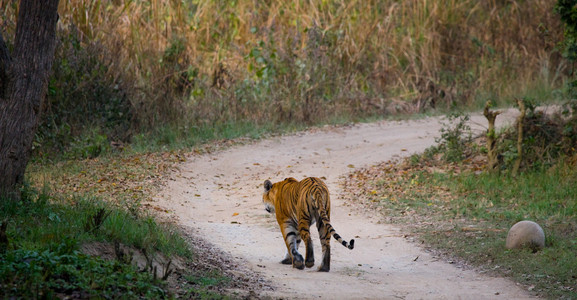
[{"x": 526, "y": 234}]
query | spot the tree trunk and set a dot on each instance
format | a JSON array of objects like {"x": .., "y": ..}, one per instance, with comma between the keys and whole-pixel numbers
[{"x": 23, "y": 84}]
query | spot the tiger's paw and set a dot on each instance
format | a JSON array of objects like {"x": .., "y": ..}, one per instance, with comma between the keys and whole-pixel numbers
[
  {"x": 286, "y": 261},
  {"x": 324, "y": 268},
  {"x": 298, "y": 262}
]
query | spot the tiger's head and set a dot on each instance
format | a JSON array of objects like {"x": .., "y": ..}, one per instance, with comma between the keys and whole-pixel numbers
[{"x": 268, "y": 196}]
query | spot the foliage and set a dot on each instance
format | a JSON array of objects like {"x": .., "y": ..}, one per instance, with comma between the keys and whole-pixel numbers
[
  {"x": 51, "y": 274},
  {"x": 44, "y": 219},
  {"x": 568, "y": 14},
  {"x": 567, "y": 11},
  {"x": 109, "y": 200},
  {"x": 87, "y": 105},
  {"x": 446, "y": 199},
  {"x": 88, "y": 145},
  {"x": 199, "y": 64},
  {"x": 44, "y": 233},
  {"x": 548, "y": 137},
  {"x": 455, "y": 138}
]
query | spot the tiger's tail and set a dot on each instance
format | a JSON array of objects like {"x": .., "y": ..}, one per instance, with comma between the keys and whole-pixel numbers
[{"x": 330, "y": 228}]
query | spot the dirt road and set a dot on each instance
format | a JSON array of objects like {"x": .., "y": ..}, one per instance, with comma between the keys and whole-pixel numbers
[{"x": 220, "y": 194}]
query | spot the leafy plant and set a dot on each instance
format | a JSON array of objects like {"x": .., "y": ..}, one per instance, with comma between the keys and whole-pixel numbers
[
  {"x": 43, "y": 237},
  {"x": 568, "y": 14},
  {"x": 455, "y": 137},
  {"x": 47, "y": 274},
  {"x": 83, "y": 94}
]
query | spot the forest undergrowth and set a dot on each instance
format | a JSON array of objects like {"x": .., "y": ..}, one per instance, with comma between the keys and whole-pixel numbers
[{"x": 159, "y": 71}]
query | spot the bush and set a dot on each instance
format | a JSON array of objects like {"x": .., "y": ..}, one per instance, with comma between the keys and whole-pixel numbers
[
  {"x": 454, "y": 144},
  {"x": 54, "y": 273},
  {"x": 548, "y": 137},
  {"x": 40, "y": 240},
  {"x": 83, "y": 94}
]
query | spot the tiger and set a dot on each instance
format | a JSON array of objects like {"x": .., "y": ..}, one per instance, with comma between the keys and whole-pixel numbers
[{"x": 298, "y": 205}]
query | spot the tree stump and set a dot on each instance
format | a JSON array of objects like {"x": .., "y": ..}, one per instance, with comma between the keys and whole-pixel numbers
[{"x": 492, "y": 161}]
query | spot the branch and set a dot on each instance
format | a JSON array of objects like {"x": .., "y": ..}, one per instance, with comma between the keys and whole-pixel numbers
[
  {"x": 491, "y": 116},
  {"x": 520, "y": 121}
]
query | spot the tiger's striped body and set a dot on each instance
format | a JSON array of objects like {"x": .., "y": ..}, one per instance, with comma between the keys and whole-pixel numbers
[{"x": 298, "y": 205}]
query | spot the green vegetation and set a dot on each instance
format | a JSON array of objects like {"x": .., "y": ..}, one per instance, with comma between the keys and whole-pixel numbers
[
  {"x": 41, "y": 250},
  {"x": 468, "y": 216},
  {"x": 448, "y": 198},
  {"x": 45, "y": 246},
  {"x": 48, "y": 274},
  {"x": 165, "y": 75},
  {"x": 198, "y": 65},
  {"x": 80, "y": 246}
]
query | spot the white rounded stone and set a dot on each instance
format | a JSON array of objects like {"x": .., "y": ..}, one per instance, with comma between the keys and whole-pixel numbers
[{"x": 526, "y": 234}]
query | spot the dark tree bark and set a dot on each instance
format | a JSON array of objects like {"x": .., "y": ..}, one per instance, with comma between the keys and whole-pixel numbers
[{"x": 23, "y": 84}]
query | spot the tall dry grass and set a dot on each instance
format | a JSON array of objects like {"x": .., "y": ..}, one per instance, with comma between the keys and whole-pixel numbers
[{"x": 203, "y": 62}]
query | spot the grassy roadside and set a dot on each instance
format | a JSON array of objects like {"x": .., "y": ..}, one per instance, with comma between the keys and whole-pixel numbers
[
  {"x": 464, "y": 213},
  {"x": 42, "y": 256},
  {"x": 88, "y": 228}
]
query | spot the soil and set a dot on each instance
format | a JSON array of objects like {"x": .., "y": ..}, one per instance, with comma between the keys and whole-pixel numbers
[{"x": 218, "y": 196}]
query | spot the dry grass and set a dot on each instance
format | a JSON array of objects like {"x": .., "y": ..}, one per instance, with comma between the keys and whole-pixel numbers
[{"x": 206, "y": 62}]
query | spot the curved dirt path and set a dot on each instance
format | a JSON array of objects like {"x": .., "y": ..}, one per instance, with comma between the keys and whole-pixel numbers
[{"x": 219, "y": 195}]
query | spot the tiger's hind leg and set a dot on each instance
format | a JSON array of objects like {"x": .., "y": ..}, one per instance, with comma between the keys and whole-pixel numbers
[
  {"x": 325, "y": 238},
  {"x": 288, "y": 260},
  {"x": 306, "y": 236},
  {"x": 291, "y": 237}
]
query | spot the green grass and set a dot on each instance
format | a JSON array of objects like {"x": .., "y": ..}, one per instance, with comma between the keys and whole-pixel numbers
[
  {"x": 176, "y": 138},
  {"x": 467, "y": 215},
  {"x": 123, "y": 184},
  {"x": 54, "y": 273},
  {"x": 209, "y": 279},
  {"x": 207, "y": 282},
  {"x": 43, "y": 257},
  {"x": 499, "y": 201},
  {"x": 545, "y": 195},
  {"x": 183, "y": 137}
]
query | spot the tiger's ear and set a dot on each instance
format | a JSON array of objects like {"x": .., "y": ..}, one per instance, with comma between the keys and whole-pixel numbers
[{"x": 267, "y": 185}]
